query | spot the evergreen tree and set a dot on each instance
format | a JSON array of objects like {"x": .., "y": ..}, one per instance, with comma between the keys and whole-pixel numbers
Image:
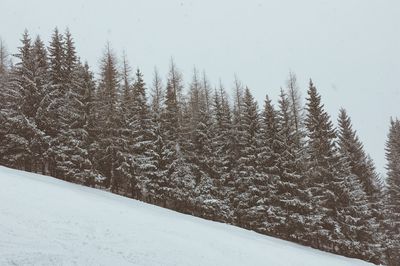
[
  {"x": 222, "y": 119},
  {"x": 53, "y": 106},
  {"x": 199, "y": 148},
  {"x": 71, "y": 141},
  {"x": 393, "y": 194},
  {"x": 290, "y": 192},
  {"x": 22, "y": 95},
  {"x": 90, "y": 175},
  {"x": 179, "y": 173},
  {"x": 143, "y": 139},
  {"x": 351, "y": 148},
  {"x": 235, "y": 147},
  {"x": 3, "y": 97},
  {"x": 127, "y": 115},
  {"x": 268, "y": 209},
  {"x": 109, "y": 124},
  {"x": 158, "y": 185},
  {"x": 323, "y": 178},
  {"x": 221, "y": 147},
  {"x": 248, "y": 177}
]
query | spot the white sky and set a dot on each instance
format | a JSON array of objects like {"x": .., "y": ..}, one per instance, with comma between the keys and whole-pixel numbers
[{"x": 349, "y": 48}]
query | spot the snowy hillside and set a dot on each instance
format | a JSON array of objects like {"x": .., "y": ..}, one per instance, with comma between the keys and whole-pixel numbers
[{"x": 45, "y": 221}]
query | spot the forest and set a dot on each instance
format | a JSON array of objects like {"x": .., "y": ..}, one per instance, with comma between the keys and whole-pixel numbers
[{"x": 281, "y": 169}]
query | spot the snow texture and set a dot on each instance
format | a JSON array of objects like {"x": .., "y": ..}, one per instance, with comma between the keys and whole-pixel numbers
[{"x": 46, "y": 221}]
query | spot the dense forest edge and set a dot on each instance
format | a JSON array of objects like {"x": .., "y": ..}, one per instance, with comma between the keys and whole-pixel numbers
[{"x": 283, "y": 170}]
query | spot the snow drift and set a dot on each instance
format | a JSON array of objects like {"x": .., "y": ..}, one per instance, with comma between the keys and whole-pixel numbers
[{"x": 46, "y": 221}]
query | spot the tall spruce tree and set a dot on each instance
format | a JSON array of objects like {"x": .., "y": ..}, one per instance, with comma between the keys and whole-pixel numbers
[
  {"x": 143, "y": 139},
  {"x": 53, "y": 106},
  {"x": 199, "y": 148},
  {"x": 90, "y": 175},
  {"x": 109, "y": 124},
  {"x": 393, "y": 194},
  {"x": 72, "y": 139},
  {"x": 323, "y": 178},
  {"x": 248, "y": 177},
  {"x": 179, "y": 173},
  {"x": 158, "y": 184},
  {"x": 23, "y": 141},
  {"x": 268, "y": 209},
  {"x": 351, "y": 148},
  {"x": 290, "y": 191},
  {"x": 221, "y": 147}
]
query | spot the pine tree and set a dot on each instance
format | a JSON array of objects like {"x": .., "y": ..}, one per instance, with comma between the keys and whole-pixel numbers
[
  {"x": 41, "y": 82},
  {"x": 248, "y": 177},
  {"x": 127, "y": 118},
  {"x": 222, "y": 119},
  {"x": 290, "y": 192},
  {"x": 158, "y": 184},
  {"x": 71, "y": 141},
  {"x": 143, "y": 139},
  {"x": 4, "y": 70},
  {"x": 53, "y": 106},
  {"x": 90, "y": 175},
  {"x": 393, "y": 193},
  {"x": 268, "y": 210},
  {"x": 180, "y": 182},
  {"x": 22, "y": 95},
  {"x": 351, "y": 148},
  {"x": 199, "y": 148},
  {"x": 323, "y": 177},
  {"x": 109, "y": 124},
  {"x": 221, "y": 147},
  {"x": 235, "y": 147}
]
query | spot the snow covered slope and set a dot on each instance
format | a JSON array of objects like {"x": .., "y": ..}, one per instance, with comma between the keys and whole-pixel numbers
[{"x": 45, "y": 221}]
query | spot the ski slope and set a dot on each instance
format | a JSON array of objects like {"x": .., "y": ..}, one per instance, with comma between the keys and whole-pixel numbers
[{"x": 45, "y": 221}]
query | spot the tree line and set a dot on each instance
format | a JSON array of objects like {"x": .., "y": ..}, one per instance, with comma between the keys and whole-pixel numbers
[{"x": 281, "y": 170}]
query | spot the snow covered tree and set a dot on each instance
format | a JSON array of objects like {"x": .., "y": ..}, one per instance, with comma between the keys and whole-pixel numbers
[
  {"x": 293, "y": 203},
  {"x": 199, "y": 148},
  {"x": 236, "y": 122},
  {"x": 248, "y": 177},
  {"x": 158, "y": 184},
  {"x": 323, "y": 178},
  {"x": 267, "y": 213},
  {"x": 143, "y": 140},
  {"x": 69, "y": 144},
  {"x": 4, "y": 70},
  {"x": 339, "y": 201},
  {"x": 53, "y": 106},
  {"x": 127, "y": 116},
  {"x": 362, "y": 168},
  {"x": 222, "y": 119},
  {"x": 221, "y": 147},
  {"x": 23, "y": 141},
  {"x": 109, "y": 124},
  {"x": 393, "y": 194},
  {"x": 180, "y": 184},
  {"x": 89, "y": 143}
]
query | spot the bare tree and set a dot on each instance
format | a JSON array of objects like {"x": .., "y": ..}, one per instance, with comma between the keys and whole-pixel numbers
[
  {"x": 4, "y": 62},
  {"x": 296, "y": 107}
]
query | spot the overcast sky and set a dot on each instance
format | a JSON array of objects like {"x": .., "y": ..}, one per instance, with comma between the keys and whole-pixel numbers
[{"x": 349, "y": 48}]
